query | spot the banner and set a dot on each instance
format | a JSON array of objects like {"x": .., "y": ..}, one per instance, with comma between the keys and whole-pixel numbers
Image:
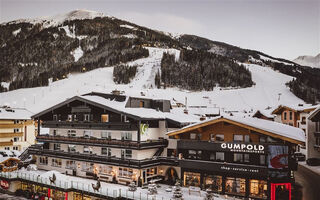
[
  {"x": 278, "y": 157},
  {"x": 144, "y": 129}
]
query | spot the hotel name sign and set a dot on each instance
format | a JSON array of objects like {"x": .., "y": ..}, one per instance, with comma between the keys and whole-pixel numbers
[{"x": 244, "y": 148}]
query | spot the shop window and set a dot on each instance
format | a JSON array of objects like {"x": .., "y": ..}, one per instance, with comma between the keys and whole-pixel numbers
[
  {"x": 213, "y": 182},
  {"x": 219, "y": 137},
  {"x": 43, "y": 160},
  {"x": 87, "y": 167},
  {"x": 106, "y": 135},
  {"x": 125, "y": 172},
  {"x": 56, "y": 162},
  {"x": 106, "y": 151},
  {"x": 56, "y": 146},
  {"x": 126, "y": 136},
  {"x": 126, "y": 153},
  {"x": 106, "y": 169},
  {"x": 105, "y": 118},
  {"x": 258, "y": 189},
  {"x": 152, "y": 171},
  {"x": 237, "y": 138},
  {"x": 219, "y": 156},
  {"x": 191, "y": 179},
  {"x": 235, "y": 186}
]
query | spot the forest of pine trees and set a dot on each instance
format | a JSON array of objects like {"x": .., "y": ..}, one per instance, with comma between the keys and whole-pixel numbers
[
  {"x": 201, "y": 70},
  {"x": 123, "y": 74}
]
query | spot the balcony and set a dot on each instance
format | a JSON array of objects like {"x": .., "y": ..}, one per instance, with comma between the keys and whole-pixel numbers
[
  {"x": 9, "y": 143},
  {"x": 9, "y": 135},
  {"x": 91, "y": 125},
  {"x": 132, "y": 163},
  {"x": 223, "y": 167},
  {"x": 104, "y": 142},
  {"x": 10, "y": 126}
]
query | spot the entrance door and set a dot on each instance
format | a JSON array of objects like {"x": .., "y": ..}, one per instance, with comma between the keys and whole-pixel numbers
[{"x": 280, "y": 191}]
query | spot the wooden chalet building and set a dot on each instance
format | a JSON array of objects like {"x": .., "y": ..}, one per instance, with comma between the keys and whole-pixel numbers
[
  {"x": 313, "y": 134},
  {"x": 117, "y": 138},
  {"x": 246, "y": 157}
]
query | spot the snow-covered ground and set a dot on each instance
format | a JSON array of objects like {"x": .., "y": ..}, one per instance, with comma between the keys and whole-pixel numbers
[
  {"x": 113, "y": 190},
  {"x": 315, "y": 169},
  {"x": 270, "y": 88}
]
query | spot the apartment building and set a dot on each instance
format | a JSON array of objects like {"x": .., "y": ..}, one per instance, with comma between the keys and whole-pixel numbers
[
  {"x": 17, "y": 129},
  {"x": 313, "y": 134},
  {"x": 117, "y": 138},
  {"x": 245, "y": 157}
]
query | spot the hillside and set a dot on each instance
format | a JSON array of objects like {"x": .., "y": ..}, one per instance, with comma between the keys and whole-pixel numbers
[
  {"x": 37, "y": 52},
  {"x": 312, "y": 61}
]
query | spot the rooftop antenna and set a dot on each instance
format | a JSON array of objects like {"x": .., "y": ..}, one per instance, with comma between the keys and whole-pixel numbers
[
  {"x": 279, "y": 95},
  {"x": 186, "y": 106}
]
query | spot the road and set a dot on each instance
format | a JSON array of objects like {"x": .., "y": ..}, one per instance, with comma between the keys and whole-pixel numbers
[{"x": 310, "y": 183}]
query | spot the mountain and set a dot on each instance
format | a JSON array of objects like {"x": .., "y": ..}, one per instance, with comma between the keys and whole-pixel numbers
[
  {"x": 37, "y": 52},
  {"x": 312, "y": 61}
]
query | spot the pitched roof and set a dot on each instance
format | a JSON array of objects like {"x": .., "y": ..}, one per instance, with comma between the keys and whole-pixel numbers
[
  {"x": 314, "y": 113},
  {"x": 15, "y": 113},
  {"x": 300, "y": 108},
  {"x": 274, "y": 129}
]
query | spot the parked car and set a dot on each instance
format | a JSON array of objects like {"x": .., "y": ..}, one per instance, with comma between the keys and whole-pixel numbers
[
  {"x": 300, "y": 156},
  {"x": 313, "y": 161}
]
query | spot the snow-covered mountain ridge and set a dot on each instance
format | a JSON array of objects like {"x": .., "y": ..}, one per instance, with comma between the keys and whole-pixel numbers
[
  {"x": 38, "y": 51},
  {"x": 312, "y": 61}
]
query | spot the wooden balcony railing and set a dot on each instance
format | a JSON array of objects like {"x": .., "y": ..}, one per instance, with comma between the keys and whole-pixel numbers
[
  {"x": 104, "y": 142},
  {"x": 9, "y": 135}
]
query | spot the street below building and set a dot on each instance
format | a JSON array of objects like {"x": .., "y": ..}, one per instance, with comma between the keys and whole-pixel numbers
[{"x": 309, "y": 182}]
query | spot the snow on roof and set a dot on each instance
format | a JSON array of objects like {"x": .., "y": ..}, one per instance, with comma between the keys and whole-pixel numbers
[
  {"x": 146, "y": 113},
  {"x": 313, "y": 113},
  {"x": 201, "y": 110},
  {"x": 267, "y": 113},
  {"x": 266, "y": 125},
  {"x": 299, "y": 107},
  {"x": 15, "y": 113}
]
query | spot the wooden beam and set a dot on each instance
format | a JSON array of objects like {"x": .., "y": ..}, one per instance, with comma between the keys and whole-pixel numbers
[
  {"x": 10, "y": 143},
  {"x": 8, "y": 135}
]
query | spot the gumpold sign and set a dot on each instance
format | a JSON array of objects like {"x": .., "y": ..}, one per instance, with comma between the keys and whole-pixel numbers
[
  {"x": 4, "y": 184},
  {"x": 245, "y": 148}
]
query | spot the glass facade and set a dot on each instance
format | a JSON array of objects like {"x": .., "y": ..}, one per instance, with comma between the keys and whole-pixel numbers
[
  {"x": 258, "y": 188},
  {"x": 213, "y": 182},
  {"x": 236, "y": 186},
  {"x": 191, "y": 179}
]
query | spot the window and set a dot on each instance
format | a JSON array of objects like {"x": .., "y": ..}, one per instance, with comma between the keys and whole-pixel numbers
[
  {"x": 126, "y": 153},
  {"x": 193, "y": 136},
  {"x": 69, "y": 118},
  {"x": 16, "y": 121},
  {"x": 106, "y": 151},
  {"x": 106, "y": 169},
  {"x": 55, "y": 117},
  {"x": 193, "y": 154},
  {"x": 105, "y": 118},
  {"x": 235, "y": 186},
  {"x": 290, "y": 115},
  {"x": 214, "y": 182},
  {"x": 6, "y": 148},
  {"x": 258, "y": 189},
  {"x": 106, "y": 135},
  {"x": 262, "y": 139},
  {"x": 15, "y": 148},
  {"x": 303, "y": 121},
  {"x": 246, "y": 158},
  {"x": 125, "y": 172},
  {"x": 87, "y": 134},
  {"x": 238, "y": 157},
  {"x": 126, "y": 136},
  {"x": 16, "y": 130},
  {"x": 86, "y": 117},
  {"x": 141, "y": 104},
  {"x": 191, "y": 179},
  {"x": 262, "y": 159},
  {"x": 285, "y": 115},
  {"x": 237, "y": 138},
  {"x": 212, "y": 156},
  {"x": 87, "y": 149},
  {"x": 56, "y": 146},
  {"x": 43, "y": 160},
  {"x": 72, "y": 133},
  {"x": 212, "y": 137},
  {"x": 56, "y": 162},
  {"x": 152, "y": 171},
  {"x": 71, "y": 148},
  {"x": 55, "y": 132},
  {"x": 219, "y": 137},
  {"x": 317, "y": 141},
  {"x": 246, "y": 138},
  {"x": 88, "y": 167},
  {"x": 70, "y": 164},
  {"x": 219, "y": 156},
  {"x": 16, "y": 139}
]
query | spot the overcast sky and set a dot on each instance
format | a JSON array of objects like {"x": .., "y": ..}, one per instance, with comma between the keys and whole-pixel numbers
[{"x": 285, "y": 28}]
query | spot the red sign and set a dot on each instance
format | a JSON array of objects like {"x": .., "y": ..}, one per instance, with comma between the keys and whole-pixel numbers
[
  {"x": 280, "y": 191},
  {"x": 4, "y": 184}
]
